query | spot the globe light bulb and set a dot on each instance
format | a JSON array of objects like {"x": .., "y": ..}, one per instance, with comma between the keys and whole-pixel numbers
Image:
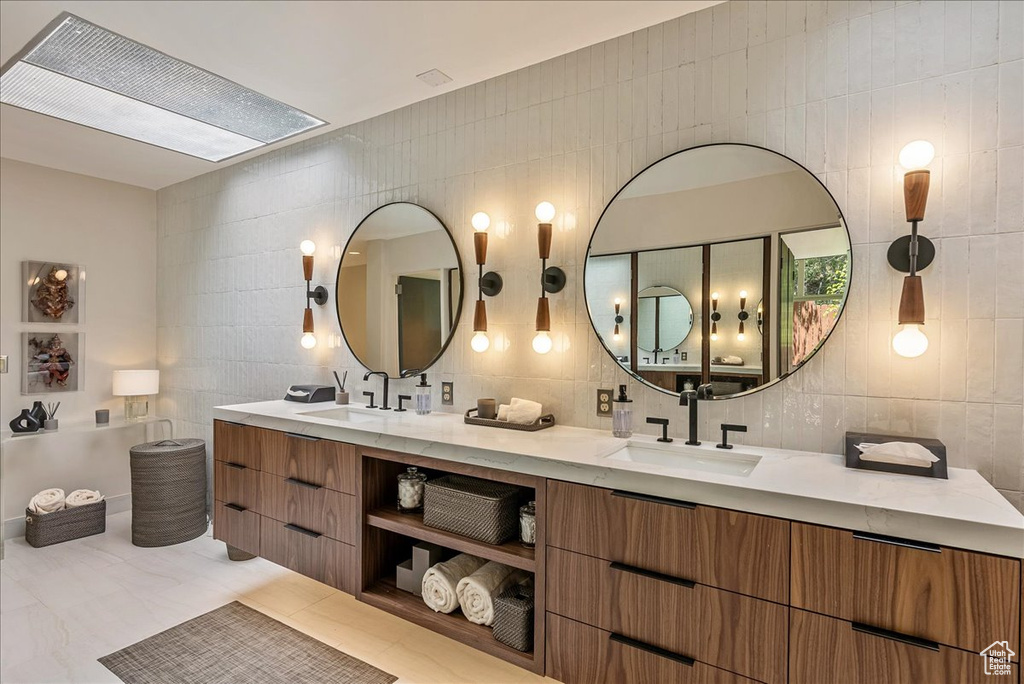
[
  {"x": 308, "y": 340},
  {"x": 743, "y": 294},
  {"x": 917, "y": 155},
  {"x": 542, "y": 342},
  {"x": 480, "y": 342},
  {"x": 714, "y": 295},
  {"x": 618, "y": 301},
  {"x": 307, "y": 247},
  {"x": 545, "y": 212},
  {"x": 481, "y": 221},
  {"x": 714, "y": 337},
  {"x": 741, "y": 337},
  {"x": 910, "y": 341},
  {"x": 617, "y": 337}
]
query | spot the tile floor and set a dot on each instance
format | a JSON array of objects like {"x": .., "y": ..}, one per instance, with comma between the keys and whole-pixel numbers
[{"x": 64, "y": 606}]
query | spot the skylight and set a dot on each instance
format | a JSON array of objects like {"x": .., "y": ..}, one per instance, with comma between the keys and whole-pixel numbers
[{"x": 80, "y": 72}]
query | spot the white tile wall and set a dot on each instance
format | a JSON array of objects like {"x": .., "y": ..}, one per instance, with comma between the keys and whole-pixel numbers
[{"x": 840, "y": 86}]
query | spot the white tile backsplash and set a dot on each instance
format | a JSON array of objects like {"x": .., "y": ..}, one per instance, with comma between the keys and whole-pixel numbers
[{"x": 839, "y": 86}]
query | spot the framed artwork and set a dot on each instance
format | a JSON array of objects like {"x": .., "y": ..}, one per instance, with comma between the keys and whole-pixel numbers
[
  {"x": 53, "y": 292},
  {"x": 52, "y": 362}
]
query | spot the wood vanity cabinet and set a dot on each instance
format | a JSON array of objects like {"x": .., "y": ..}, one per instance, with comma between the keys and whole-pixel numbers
[{"x": 236, "y": 469}]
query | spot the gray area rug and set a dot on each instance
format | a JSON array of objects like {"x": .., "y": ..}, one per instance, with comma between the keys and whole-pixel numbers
[{"x": 236, "y": 644}]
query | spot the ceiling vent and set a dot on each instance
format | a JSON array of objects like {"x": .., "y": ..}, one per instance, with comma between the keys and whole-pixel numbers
[{"x": 434, "y": 77}]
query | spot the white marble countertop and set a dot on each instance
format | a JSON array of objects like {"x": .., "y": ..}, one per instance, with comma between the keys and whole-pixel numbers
[{"x": 964, "y": 511}]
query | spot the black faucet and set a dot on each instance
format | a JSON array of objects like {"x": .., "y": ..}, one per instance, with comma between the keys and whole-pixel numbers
[
  {"x": 663, "y": 422},
  {"x": 370, "y": 394},
  {"x": 401, "y": 398},
  {"x": 384, "y": 403},
  {"x": 689, "y": 398},
  {"x": 726, "y": 429}
]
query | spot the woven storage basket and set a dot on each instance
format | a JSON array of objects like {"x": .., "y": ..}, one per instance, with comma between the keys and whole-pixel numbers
[
  {"x": 65, "y": 525},
  {"x": 513, "y": 617},
  {"x": 168, "y": 492},
  {"x": 479, "y": 509}
]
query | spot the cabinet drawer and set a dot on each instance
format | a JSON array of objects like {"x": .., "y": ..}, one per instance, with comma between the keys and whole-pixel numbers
[
  {"x": 311, "y": 507},
  {"x": 739, "y": 633},
  {"x": 236, "y": 526},
  {"x": 957, "y": 598},
  {"x": 308, "y": 553},
  {"x": 239, "y": 444},
  {"x": 726, "y": 549},
  {"x": 581, "y": 654},
  {"x": 235, "y": 484},
  {"x": 316, "y": 461},
  {"x": 825, "y": 650}
]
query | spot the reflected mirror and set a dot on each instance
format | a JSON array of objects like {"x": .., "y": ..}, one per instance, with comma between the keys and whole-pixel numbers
[
  {"x": 730, "y": 265},
  {"x": 399, "y": 289}
]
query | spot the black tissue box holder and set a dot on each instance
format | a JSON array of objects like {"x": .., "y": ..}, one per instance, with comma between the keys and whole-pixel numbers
[{"x": 853, "y": 459}]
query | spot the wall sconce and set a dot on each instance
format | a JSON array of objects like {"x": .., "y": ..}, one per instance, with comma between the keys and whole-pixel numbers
[
  {"x": 912, "y": 252},
  {"x": 317, "y": 294},
  {"x": 487, "y": 284},
  {"x": 715, "y": 316},
  {"x": 742, "y": 315},
  {"x": 616, "y": 335},
  {"x": 552, "y": 278}
]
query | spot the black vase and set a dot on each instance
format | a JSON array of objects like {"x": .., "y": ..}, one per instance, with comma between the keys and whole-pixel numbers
[
  {"x": 25, "y": 422},
  {"x": 38, "y": 412}
]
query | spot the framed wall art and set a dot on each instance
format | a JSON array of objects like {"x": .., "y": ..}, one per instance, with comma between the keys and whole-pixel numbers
[
  {"x": 53, "y": 292},
  {"x": 52, "y": 362}
]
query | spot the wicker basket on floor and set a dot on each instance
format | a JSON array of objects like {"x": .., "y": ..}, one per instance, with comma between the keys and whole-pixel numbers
[
  {"x": 479, "y": 509},
  {"x": 65, "y": 525},
  {"x": 513, "y": 617},
  {"x": 168, "y": 492}
]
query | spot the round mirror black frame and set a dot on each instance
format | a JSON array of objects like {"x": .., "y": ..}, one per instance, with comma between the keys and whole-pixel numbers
[
  {"x": 586, "y": 259},
  {"x": 688, "y": 305},
  {"x": 462, "y": 286}
]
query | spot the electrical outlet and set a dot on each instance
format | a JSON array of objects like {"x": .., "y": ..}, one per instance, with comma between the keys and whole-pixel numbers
[
  {"x": 448, "y": 393},
  {"x": 604, "y": 403},
  {"x": 682, "y": 356}
]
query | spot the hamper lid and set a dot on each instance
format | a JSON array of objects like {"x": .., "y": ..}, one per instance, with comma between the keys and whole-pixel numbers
[
  {"x": 472, "y": 486},
  {"x": 168, "y": 446}
]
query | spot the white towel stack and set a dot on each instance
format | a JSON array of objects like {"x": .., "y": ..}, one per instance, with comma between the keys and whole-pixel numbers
[
  {"x": 477, "y": 592},
  {"x": 53, "y": 500},
  {"x": 83, "y": 497},
  {"x": 522, "y": 411},
  {"x": 441, "y": 581}
]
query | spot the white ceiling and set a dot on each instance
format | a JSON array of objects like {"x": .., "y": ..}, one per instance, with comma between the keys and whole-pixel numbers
[{"x": 340, "y": 61}]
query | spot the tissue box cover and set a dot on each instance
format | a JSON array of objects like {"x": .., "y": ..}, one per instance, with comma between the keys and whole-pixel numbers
[{"x": 853, "y": 460}]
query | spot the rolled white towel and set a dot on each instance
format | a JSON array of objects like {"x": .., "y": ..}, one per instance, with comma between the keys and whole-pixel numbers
[
  {"x": 440, "y": 582},
  {"x": 47, "y": 501},
  {"x": 82, "y": 497},
  {"x": 477, "y": 592},
  {"x": 524, "y": 411},
  {"x": 503, "y": 412}
]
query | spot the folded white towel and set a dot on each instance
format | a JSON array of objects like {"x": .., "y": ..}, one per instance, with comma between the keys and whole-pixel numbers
[
  {"x": 899, "y": 453},
  {"x": 441, "y": 581},
  {"x": 81, "y": 497},
  {"x": 477, "y": 592},
  {"x": 47, "y": 501},
  {"x": 524, "y": 411},
  {"x": 503, "y": 412}
]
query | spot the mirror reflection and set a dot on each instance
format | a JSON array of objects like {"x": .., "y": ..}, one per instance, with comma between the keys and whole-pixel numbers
[
  {"x": 731, "y": 263},
  {"x": 399, "y": 289}
]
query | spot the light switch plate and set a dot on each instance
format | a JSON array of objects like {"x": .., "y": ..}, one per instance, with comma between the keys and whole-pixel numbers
[
  {"x": 604, "y": 403},
  {"x": 3, "y": 363},
  {"x": 447, "y": 393}
]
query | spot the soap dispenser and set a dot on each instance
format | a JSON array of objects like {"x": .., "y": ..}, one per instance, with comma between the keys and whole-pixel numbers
[
  {"x": 622, "y": 414},
  {"x": 422, "y": 396},
  {"x": 675, "y": 357}
]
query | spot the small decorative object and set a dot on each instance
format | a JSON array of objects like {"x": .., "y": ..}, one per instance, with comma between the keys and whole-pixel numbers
[
  {"x": 25, "y": 422},
  {"x": 51, "y": 363},
  {"x": 409, "y": 575},
  {"x": 513, "y": 616},
  {"x": 38, "y": 411},
  {"x": 528, "y": 524},
  {"x": 410, "y": 490},
  {"x": 103, "y": 416},
  {"x": 136, "y": 386},
  {"x": 486, "y": 408},
  {"x": 545, "y": 421},
  {"x": 50, "y": 422},
  {"x": 342, "y": 396},
  {"x": 52, "y": 292},
  {"x": 479, "y": 509}
]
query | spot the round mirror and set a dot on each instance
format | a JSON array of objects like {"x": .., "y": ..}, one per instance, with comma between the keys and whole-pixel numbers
[
  {"x": 399, "y": 290},
  {"x": 725, "y": 264}
]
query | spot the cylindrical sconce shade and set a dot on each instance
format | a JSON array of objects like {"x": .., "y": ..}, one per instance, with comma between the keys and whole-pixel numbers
[
  {"x": 543, "y": 315},
  {"x": 912, "y": 301},
  {"x": 307, "y": 320},
  {"x": 134, "y": 383},
  {"x": 544, "y": 240},
  {"x": 915, "y": 193},
  {"x": 307, "y": 267},
  {"x": 480, "y": 317},
  {"x": 480, "y": 247}
]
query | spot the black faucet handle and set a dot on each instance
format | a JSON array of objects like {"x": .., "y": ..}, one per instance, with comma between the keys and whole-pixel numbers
[
  {"x": 401, "y": 398},
  {"x": 685, "y": 396},
  {"x": 663, "y": 422},
  {"x": 726, "y": 429},
  {"x": 370, "y": 394}
]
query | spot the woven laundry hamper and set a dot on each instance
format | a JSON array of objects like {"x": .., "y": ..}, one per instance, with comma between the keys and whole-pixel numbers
[{"x": 168, "y": 491}]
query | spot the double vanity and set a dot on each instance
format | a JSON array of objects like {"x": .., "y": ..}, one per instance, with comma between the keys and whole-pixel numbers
[{"x": 653, "y": 562}]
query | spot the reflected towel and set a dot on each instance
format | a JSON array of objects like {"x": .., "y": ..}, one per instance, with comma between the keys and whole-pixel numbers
[
  {"x": 441, "y": 581},
  {"x": 503, "y": 412},
  {"x": 524, "y": 411},
  {"x": 82, "y": 497},
  {"x": 47, "y": 501},
  {"x": 899, "y": 453},
  {"x": 477, "y": 592}
]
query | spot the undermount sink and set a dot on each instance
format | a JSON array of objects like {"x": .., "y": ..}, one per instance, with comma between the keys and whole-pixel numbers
[
  {"x": 683, "y": 457},
  {"x": 348, "y": 414}
]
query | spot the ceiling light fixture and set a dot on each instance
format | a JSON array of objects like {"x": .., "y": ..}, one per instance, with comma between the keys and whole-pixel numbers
[{"x": 80, "y": 72}]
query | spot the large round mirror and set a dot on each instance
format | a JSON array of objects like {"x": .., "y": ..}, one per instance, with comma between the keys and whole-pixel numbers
[
  {"x": 399, "y": 291},
  {"x": 723, "y": 264}
]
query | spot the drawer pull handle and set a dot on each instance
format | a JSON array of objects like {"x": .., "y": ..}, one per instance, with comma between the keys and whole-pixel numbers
[
  {"x": 302, "y": 483},
  {"x": 689, "y": 584},
  {"x": 235, "y": 507},
  {"x": 236, "y": 466},
  {"x": 305, "y": 437},
  {"x": 641, "y": 646},
  {"x": 895, "y": 636},
  {"x": 653, "y": 499},
  {"x": 303, "y": 530},
  {"x": 897, "y": 541}
]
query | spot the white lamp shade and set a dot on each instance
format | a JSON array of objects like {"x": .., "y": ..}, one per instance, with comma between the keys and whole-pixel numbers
[{"x": 135, "y": 383}]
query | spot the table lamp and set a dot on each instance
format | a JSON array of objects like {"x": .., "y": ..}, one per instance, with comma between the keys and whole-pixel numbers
[{"x": 136, "y": 386}]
